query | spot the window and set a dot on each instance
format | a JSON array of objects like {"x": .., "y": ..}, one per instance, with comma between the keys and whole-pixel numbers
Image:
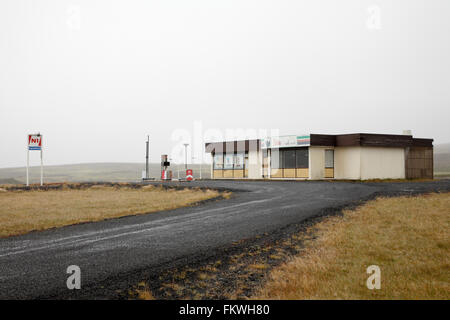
[
  {"x": 289, "y": 159},
  {"x": 218, "y": 161},
  {"x": 276, "y": 159},
  {"x": 228, "y": 161},
  {"x": 329, "y": 158},
  {"x": 302, "y": 158},
  {"x": 239, "y": 161}
]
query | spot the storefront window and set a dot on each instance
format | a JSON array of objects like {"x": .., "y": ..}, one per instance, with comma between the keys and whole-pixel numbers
[
  {"x": 218, "y": 161},
  {"x": 302, "y": 158},
  {"x": 289, "y": 159},
  {"x": 228, "y": 161},
  {"x": 239, "y": 161},
  {"x": 276, "y": 159}
]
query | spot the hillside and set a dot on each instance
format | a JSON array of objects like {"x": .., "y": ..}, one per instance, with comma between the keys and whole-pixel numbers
[
  {"x": 117, "y": 172},
  {"x": 442, "y": 158},
  {"x": 442, "y": 148},
  {"x": 128, "y": 172}
]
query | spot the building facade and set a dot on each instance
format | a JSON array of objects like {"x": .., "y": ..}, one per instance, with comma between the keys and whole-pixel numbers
[{"x": 359, "y": 156}]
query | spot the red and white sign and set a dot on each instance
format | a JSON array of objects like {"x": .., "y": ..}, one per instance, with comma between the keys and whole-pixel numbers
[
  {"x": 189, "y": 175},
  {"x": 34, "y": 142}
]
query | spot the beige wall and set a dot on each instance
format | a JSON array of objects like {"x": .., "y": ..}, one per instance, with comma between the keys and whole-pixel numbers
[
  {"x": 276, "y": 173},
  {"x": 254, "y": 164},
  {"x": 369, "y": 163},
  {"x": 217, "y": 174},
  {"x": 382, "y": 163},
  {"x": 347, "y": 163},
  {"x": 228, "y": 173},
  {"x": 289, "y": 173},
  {"x": 302, "y": 173},
  {"x": 317, "y": 162}
]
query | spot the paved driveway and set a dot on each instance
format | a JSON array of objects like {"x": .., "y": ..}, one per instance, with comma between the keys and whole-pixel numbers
[{"x": 34, "y": 265}]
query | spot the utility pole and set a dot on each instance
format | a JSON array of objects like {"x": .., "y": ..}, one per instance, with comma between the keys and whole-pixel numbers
[
  {"x": 146, "y": 157},
  {"x": 185, "y": 155}
]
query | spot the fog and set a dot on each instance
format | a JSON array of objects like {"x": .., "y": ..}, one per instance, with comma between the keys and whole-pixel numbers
[{"x": 95, "y": 77}]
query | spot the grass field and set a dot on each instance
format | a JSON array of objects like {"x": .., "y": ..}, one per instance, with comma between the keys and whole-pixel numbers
[
  {"x": 407, "y": 237},
  {"x": 25, "y": 211},
  {"x": 442, "y": 174},
  {"x": 93, "y": 172}
]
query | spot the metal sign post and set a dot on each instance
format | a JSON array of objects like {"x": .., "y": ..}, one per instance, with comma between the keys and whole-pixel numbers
[
  {"x": 35, "y": 143},
  {"x": 28, "y": 164},
  {"x": 42, "y": 169},
  {"x": 146, "y": 158}
]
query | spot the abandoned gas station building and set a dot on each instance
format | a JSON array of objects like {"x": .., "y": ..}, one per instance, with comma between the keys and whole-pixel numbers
[{"x": 358, "y": 156}]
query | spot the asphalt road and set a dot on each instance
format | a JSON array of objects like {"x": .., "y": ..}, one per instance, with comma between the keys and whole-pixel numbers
[{"x": 34, "y": 265}]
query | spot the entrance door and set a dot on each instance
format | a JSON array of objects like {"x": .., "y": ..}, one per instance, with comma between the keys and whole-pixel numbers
[{"x": 329, "y": 163}]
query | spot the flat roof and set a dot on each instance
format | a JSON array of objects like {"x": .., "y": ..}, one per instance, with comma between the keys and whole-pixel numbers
[{"x": 335, "y": 140}]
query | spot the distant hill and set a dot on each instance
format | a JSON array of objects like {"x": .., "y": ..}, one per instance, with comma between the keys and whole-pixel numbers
[
  {"x": 129, "y": 172},
  {"x": 88, "y": 172},
  {"x": 9, "y": 181},
  {"x": 442, "y": 158},
  {"x": 442, "y": 148}
]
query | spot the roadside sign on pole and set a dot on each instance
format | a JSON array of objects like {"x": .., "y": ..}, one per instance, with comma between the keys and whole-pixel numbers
[{"x": 34, "y": 143}]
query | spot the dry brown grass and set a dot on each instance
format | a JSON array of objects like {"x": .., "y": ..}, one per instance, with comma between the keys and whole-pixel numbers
[
  {"x": 143, "y": 292},
  {"x": 258, "y": 266},
  {"x": 407, "y": 237},
  {"x": 25, "y": 211}
]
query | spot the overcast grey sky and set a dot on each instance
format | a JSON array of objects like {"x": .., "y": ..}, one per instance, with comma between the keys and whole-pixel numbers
[{"x": 95, "y": 76}]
